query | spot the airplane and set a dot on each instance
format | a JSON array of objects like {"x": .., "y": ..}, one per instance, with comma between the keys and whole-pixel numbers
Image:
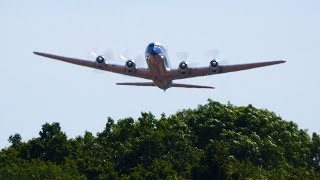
[{"x": 159, "y": 70}]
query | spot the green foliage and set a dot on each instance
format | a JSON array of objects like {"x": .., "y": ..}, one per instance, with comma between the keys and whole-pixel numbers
[
  {"x": 213, "y": 141},
  {"x": 15, "y": 140},
  {"x": 13, "y": 167}
]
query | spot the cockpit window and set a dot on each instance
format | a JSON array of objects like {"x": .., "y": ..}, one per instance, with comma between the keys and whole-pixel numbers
[
  {"x": 151, "y": 45},
  {"x": 154, "y": 48},
  {"x": 149, "y": 48}
]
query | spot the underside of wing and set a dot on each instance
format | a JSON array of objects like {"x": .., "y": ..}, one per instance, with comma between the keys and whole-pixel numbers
[
  {"x": 173, "y": 85},
  {"x": 205, "y": 71},
  {"x": 240, "y": 67},
  {"x": 135, "y": 72}
]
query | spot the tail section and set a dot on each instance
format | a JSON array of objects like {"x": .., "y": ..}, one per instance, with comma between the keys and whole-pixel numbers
[{"x": 172, "y": 85}]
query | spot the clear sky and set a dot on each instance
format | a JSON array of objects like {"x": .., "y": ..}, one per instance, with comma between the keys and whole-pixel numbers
[{"x": 35, "y": 90}]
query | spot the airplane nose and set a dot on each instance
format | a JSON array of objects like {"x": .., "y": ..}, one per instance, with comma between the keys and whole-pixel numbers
[{"x": 155, "y": 51}]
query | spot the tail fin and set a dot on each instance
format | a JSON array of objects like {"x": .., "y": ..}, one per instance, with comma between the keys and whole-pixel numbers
[{"x": 172, "y": 85}]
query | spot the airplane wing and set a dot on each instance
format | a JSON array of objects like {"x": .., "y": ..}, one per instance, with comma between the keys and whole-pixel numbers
[
  {"x": 205, "y": 71},
  {"x": 136, "y": 72}
]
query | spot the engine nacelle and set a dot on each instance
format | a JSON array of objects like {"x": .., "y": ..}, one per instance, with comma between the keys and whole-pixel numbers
[
  {"x": 183, "y": 67},
  {"x": 130, "y": 66},
  {"x": 214, "y": 65},
  {"x": 100, "y": 60}
]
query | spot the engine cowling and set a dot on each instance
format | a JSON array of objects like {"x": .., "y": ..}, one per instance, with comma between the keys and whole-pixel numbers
[
  {"x": 183, "y": 67},
  {"x": 214, "y": 65},
  {"x": 100, "y": 60},
  {"x": 131, "y": 66}
]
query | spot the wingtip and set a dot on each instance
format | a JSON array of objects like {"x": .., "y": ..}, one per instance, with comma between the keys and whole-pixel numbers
[
  {"x": 42, "y": 54},
  {"x": 37, "y": 53}
]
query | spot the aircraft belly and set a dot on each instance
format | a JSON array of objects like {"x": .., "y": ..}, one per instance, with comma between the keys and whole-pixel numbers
[{"x": 158, "y": 70}]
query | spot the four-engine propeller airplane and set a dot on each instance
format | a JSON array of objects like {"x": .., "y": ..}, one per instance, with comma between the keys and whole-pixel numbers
[{"x": 159, "y": 69}]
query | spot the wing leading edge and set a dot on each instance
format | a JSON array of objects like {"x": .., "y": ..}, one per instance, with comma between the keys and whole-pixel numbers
[
  {"x": 139, "y": 72},
  {"x": 205, "y": 71}
]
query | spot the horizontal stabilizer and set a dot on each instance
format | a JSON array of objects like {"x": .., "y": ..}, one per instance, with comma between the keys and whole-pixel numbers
[
  {"x": 172, "y": 85},
  {"x": 191, "y": 86},
  {"x": 137, "y": 84}
]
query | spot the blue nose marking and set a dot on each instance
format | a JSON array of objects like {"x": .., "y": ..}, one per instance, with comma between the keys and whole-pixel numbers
[{"x": 155, "y": 51}]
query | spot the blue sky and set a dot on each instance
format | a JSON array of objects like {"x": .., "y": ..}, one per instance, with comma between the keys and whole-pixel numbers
[{"x": 35, "y": 90}]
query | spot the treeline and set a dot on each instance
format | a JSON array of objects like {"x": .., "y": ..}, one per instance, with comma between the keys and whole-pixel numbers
[{"x": 213, "y": 141}]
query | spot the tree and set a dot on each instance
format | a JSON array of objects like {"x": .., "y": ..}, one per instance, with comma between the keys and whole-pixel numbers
[
  {"x": 212, "y": 141},
  {"x": 15, "y": 140}
]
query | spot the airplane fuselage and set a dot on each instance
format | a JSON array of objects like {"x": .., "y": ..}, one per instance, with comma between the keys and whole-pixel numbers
[{"x": 158, "y": 64}]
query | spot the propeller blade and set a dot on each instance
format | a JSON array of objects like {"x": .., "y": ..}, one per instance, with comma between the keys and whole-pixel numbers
[
  {"x": 93, "y": 54},
  {"x": 183, "y": 55},
  {"x": 140, "y": 61},
  {"x": 122, "y": 57},
  {"x": 109, "y": 54},
  {"x": 223, "y": 61},
  {"x": 212, "y": 53}
]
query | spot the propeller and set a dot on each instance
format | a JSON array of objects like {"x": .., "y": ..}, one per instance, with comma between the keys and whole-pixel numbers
[
  {"x": 185, "y": 56},
  {"x": 214, "y": 54},
  {"x": 93, "y": 55},
  {"x": 138, "y": 59},
  {"x": 108, "y": 54},
  {"x": 124, "y": 55}
]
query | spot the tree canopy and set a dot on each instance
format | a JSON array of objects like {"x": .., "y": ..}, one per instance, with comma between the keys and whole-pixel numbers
[{"x": 212, "y": 141}]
